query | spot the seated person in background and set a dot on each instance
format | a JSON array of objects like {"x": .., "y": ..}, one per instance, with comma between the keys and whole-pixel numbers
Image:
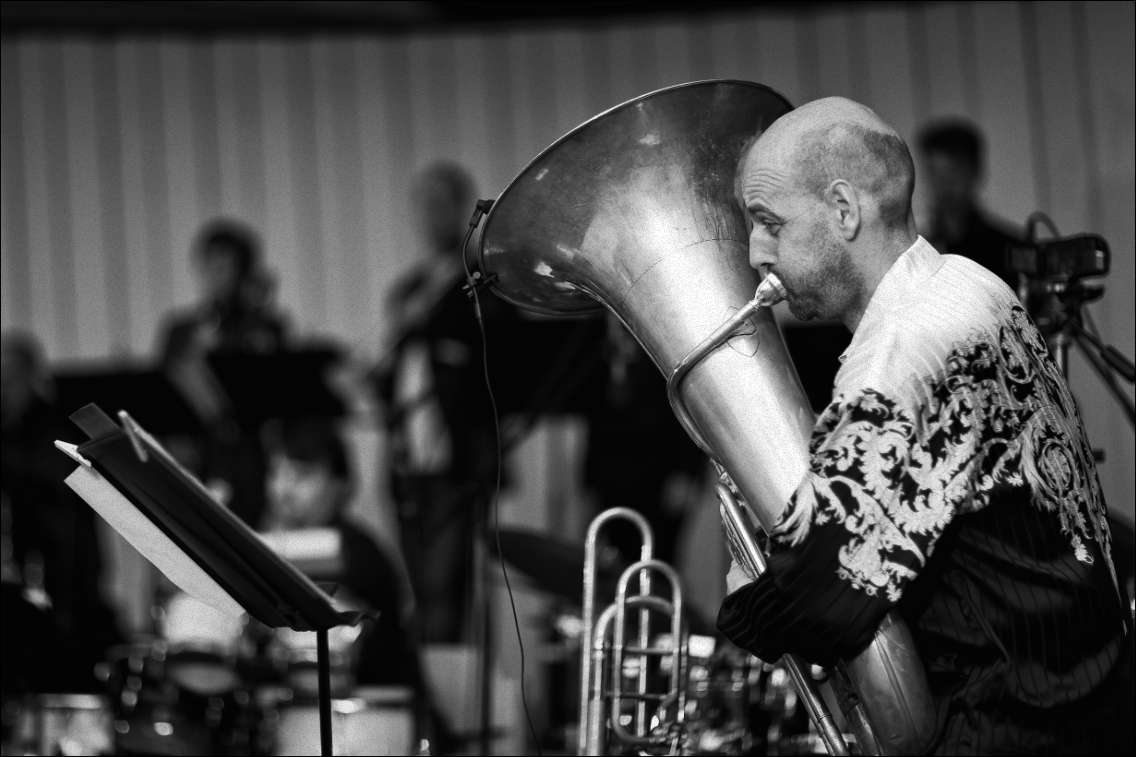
[
  {"x": 234, "y": 317},
  {"x": 309, "y": 485},
  {"x": 953, "y": 167}
]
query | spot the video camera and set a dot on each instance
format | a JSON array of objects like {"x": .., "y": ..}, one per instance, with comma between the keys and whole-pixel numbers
[{"x": 1064, "y": 259}]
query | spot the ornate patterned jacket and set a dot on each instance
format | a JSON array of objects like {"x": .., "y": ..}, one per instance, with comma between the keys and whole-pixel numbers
[{"x": 951, "y": 477}]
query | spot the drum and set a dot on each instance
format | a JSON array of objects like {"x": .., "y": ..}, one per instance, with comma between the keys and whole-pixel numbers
[
  {"x": 150, "y": 714},
  {"x": 135, "y": 675},
  {"x": 717, "y": 703},
  {"x": 375, "y": 720},
  {"x": 203, "y": 644},
  {"x": 64, "y": 724},
  {"x": 296, "y": 651}
]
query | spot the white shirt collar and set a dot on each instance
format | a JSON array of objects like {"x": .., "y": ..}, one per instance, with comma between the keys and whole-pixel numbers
[{"x": 918, "y": 263}]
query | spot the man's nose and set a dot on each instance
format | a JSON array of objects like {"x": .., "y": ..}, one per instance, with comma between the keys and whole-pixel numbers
[{"x": 761, "y": 252}]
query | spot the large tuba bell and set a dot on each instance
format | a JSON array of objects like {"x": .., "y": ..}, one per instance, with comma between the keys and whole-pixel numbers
[{"x": 635, "y": 211}]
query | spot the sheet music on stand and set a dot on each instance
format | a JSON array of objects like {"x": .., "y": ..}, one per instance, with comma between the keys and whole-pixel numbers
[{"x": 158, "y": 506}]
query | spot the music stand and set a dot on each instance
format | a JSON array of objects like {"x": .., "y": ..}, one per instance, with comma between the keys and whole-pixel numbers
[{"x": 165, "y": 512}]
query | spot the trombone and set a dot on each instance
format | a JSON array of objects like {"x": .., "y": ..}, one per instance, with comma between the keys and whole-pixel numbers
[
  {"x": 615, "y": 673},
  {"x": 609, "y": 663}
]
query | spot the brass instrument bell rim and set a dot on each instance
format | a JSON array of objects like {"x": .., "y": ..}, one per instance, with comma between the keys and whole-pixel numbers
[{"x": 532, "y": 164}]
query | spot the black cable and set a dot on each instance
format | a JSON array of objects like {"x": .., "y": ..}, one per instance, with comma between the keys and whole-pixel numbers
[
  {"x": 482, "y": 207},
  {"x": 1032, "y": 222}
]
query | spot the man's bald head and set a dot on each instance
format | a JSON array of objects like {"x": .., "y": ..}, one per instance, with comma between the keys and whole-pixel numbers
[
  {"x": 836, "y": 138},
  {"x": 827, "y": 192}
]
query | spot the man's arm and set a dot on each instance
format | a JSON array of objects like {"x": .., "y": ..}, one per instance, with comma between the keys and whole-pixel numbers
[{"x": 856, "y": 532}]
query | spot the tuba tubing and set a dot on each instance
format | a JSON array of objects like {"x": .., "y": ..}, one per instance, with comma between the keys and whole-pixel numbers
[{"x": 743, "y": 542}]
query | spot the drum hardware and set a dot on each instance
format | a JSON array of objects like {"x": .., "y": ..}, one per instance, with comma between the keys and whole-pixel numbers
[
  {"x": 153, "y": 714},
  {"x": 190, "y": 691},
  {"x": 203, "y": 645},
  {"x": 59, "y": 724},
  {"x": 717, "y": 704},
  {"x": 635, "y": 211},
  {"x": 376, "y": 720},
  {"x": 135, "y": 676}
]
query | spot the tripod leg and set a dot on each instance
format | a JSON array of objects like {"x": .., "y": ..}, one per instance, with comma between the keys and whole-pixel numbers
[{"x": 1102, "y": 370}]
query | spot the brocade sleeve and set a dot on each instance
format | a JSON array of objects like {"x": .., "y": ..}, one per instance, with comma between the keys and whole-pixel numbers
[{"x": 857, "y": 530}]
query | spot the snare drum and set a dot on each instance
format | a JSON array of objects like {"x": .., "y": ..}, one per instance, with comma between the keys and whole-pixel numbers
[
  {"x": 376, "y": 720},
  {"x": 297, "y": 651},
  {"x": 202, "y": 645},
  {"x": 151, "y": 716}
]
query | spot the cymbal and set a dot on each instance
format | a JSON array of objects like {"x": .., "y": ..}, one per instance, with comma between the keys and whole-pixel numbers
[
  {"x": 553, "y": 565},
  {"x": 558, "y": 568}
]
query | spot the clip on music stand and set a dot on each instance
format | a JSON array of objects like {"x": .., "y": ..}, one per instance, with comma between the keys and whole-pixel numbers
[{"x": 170, "y": 517}]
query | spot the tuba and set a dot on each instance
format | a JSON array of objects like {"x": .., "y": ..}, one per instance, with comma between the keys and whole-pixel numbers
[{"x": 635, "y": 211}]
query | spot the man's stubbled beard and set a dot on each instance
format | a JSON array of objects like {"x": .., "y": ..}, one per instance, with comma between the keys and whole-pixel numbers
[{"x": 831, "y": 286}]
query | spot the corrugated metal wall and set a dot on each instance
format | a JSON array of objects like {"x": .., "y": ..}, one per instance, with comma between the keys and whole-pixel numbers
[{"x": 117, "y": 150}]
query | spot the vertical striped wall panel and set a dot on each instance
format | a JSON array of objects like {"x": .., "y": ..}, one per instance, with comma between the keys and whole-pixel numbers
[{"x": 116, "y": 151}]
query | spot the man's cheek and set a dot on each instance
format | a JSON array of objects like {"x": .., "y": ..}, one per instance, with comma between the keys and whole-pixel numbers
[{"x": 789, "y": 281}]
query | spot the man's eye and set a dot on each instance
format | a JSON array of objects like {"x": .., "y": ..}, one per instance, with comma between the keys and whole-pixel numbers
[{"x": 771, "y": 227}]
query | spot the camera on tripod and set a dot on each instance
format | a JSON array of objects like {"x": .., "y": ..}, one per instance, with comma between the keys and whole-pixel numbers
[
  {"x": 1054, "y": 286},
  {"x": 1060, "y": 260}
]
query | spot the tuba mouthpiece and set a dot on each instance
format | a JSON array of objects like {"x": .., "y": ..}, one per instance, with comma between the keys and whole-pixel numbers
[{"x": 770, "y": 291}]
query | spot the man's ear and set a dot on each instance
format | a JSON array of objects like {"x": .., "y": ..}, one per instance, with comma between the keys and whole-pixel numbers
[{"x": 844, "y": 202}]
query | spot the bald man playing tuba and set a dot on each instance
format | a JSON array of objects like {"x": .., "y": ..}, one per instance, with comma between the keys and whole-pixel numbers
[{"x": 950, "y": 477}]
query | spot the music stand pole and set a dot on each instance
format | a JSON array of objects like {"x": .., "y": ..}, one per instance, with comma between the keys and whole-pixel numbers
[{"x": 323, "y": 663}]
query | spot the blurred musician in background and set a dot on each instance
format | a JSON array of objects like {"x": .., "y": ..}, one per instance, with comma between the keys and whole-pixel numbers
[
  {"x": 309, "y": 485},
  {"x": 953, "y": 169},
  {"x": 235, "y": 316},
  {"x": 56, "y": 625},
  {"x": 442, "y": 453},
  {"x": 951, "y": 478}
]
